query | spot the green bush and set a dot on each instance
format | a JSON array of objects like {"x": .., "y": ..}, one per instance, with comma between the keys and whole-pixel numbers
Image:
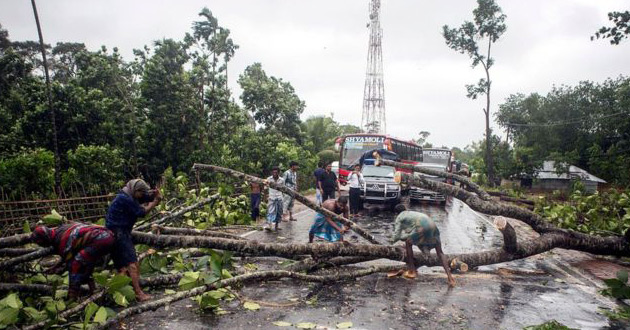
[
  {"x": 94, "y": 167},
  {"x": 328, "y": 156},
  {"x": 30, "y": 172}
]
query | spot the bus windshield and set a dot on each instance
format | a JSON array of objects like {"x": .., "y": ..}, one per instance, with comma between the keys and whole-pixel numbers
[
  {"x": 355, "y": 146},
  {"x": 433, "y": 156}
]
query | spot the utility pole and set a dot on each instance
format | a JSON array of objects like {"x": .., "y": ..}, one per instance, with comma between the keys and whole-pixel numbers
[
  {"x": 50, "y": 103},
  {"x": 373, "y": 118}
]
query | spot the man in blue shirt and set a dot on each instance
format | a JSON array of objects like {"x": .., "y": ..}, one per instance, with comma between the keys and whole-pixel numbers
[{"x": 133, "y": 202}]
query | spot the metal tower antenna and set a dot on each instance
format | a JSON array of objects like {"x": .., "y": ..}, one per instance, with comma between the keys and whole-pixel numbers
[{"x": 373, "y": 119}]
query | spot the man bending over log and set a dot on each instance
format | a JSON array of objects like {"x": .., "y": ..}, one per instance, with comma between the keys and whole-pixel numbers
[
  {"x": 324, "y": 227},
  {"x": 415, "y": 228},
  {"x": 80, "y": 246},
  {"x": 134, "y": 201}
]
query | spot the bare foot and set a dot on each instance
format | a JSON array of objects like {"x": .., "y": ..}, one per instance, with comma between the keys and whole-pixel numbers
[
  {"x": 451, "y": 282},
  {"x": 140, "y": 297},
  {"x": 395, "y": 273},
  {"x": 410, "y": 274}
]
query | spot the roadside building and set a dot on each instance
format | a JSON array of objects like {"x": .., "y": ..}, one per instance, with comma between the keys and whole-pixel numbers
[{"x": 548, "y": 179}]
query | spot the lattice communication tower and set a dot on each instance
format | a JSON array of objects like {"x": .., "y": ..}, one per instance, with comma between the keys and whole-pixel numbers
[{"x": 373, "y": 119}]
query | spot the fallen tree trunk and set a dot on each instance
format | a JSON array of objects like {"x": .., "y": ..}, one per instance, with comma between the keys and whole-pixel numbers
[
  {"x": 6, "y": 264},
  {"x": 510, "y": 243},
  {"x": 607, "y": 245},
  {"x": 157, "y": 229},
  {"x": 360, "y": 231},
  {"x": 15, "y": 252},
  {"x": 419, "y": 169},
  {"x": 43, "y": 289},
  {"x": 15, "y": 240},
  {"x": 179, "y": 213}
]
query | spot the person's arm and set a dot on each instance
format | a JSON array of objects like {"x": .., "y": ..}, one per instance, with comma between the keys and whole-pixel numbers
[
  {"x": 319, "y": 184},
  {"x": 447, "y": 268},
  {"x": 334, "y": 225},
  {"x": 156, "y": 201},
  {"x": 337, "y": 183}
]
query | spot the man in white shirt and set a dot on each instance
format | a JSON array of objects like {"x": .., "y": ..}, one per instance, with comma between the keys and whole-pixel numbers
[
  {"x": 274, "y": 201},
  {"x": 290, "y": 181},
  {"x": 356, "y": 182}
]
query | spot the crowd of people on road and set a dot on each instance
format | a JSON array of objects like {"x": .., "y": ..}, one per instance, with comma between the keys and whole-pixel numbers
[{"x": 82, "y": 246}]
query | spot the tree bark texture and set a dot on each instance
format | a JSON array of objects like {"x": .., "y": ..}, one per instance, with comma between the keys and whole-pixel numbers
[
  {"x": 180, "y": 213},
  {"x": 15, "y": 240},
  {"x": 15, "y": 252},
  {"x": 157, "y": 229},
  {"x": 239, "y": 175},
  {"x": 510, "y": 243},
  {"x": 6, "y": 264},
  {"x": 419, "y": 169}
]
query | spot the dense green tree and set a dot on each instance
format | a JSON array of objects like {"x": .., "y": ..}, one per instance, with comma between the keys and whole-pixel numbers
[
  {"x": 272, "y": 101},
  {"x": 585, "y": 125},
  {"x": 172, "y": 121},
  {"x": 487, "y": 27}
]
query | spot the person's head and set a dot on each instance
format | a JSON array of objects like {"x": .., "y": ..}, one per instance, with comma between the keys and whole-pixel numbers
[
  {"x": 341, "y": 204},
  {"x": 400, "y": 208},
  {"x": 328, "y": 167},
  {"x": 137, "y": 188},
  {"x": 294, "y": 165},
  {"x": 275, "y": 172},
  {"x": 357, "y": 168},
  {"x": 43, "y": 236}
]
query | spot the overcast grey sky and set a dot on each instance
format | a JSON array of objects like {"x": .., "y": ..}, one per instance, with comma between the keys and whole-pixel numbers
[{"x": 321, "y": 48}]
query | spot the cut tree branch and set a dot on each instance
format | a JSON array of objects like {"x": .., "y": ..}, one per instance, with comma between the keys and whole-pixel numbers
[
  {"x": 239, "y": 175},
  {"x": 157, "y": 229},
  {"x": 180, "y": 213},
  {"x": 15, "y": 240},
  {"x": 6, "y": 264}
]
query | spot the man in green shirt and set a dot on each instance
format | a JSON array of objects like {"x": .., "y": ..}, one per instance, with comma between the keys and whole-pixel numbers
[{"x": 415, "y": 228}]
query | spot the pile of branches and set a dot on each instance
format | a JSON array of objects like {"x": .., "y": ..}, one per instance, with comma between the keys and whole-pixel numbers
[{"x": 315, "y": 261}]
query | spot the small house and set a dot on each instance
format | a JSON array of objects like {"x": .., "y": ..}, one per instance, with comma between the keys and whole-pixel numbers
[{"x": 548, "y": 179}]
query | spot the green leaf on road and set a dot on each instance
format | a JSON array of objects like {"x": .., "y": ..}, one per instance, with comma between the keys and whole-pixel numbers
[
  {"x": 282, "y": 324},
  {"x": 306, "y": 325},
  {"x": 344, "y": 325},
  {"x": 252, "y": 306}
]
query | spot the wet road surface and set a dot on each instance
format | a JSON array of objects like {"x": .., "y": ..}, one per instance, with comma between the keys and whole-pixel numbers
[{"x": 505, "y": 296}]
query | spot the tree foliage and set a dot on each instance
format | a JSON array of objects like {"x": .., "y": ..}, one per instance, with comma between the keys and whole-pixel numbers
[
  {"x": 620, "y": 29},
  {"x": 487, "y": 26},
  {"x": 586, "y": 125}
]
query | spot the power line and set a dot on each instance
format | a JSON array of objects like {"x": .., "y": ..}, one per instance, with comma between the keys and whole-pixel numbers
[{"x": 575, "y": 121}]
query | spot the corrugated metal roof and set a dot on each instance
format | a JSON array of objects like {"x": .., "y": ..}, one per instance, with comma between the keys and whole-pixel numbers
[{"x": 548, "y": 171}]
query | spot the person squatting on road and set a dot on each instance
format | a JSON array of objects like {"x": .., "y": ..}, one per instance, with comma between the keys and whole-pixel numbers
[
  {"x": 328, "y": 183},
  {"x": 80, "y": 246},
  {"x": 415, "y": 228},
  {"x": 255, "y": 198},
  {"x": 274, "y": 201},
  {"x": 134, "y": 201},
  {"x": 356, "y": 182},
  {"x": 290, "y": 181},
  {"x": 325, "y": 228}
]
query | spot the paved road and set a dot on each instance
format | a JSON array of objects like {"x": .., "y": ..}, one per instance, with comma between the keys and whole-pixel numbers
[{"x": 506, "y": 296}]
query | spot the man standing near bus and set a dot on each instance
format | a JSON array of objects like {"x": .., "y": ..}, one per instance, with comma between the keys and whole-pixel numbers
[
  {"x": 290, "y": 181},
  {"x": 328, "y": 183},
  {"x": 318, "y": 174}
]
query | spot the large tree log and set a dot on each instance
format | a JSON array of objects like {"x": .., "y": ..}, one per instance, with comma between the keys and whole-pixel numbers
[
  {"x": 6, "y": 264},
  {"x": 360, "y": 231},
  {"x": 42, "y": 289},
  {"x": 251, "y": 277},
  {"x": 180, "y": 213},
  {"x": 15, "y": 252},
  {"x": 15, "y": 240},
  {"x": 419, "y": 169},
  {"x": 157, "y": 229}
]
